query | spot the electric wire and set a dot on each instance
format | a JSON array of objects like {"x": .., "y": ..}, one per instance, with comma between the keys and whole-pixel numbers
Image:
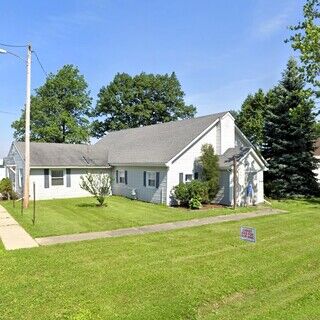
[
  {"x": 13, "y": 45},
  {"x": 37, "y": 57}
]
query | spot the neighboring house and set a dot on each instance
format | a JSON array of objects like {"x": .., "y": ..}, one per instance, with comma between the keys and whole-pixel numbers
[
  {"x": 317, "y": 156},
  {"x": 2, "y": 170},
  {"x": 150, "y": 160}
]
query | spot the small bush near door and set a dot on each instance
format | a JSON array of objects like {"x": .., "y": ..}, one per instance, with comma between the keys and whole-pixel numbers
[{"x": 192, "y": 193}]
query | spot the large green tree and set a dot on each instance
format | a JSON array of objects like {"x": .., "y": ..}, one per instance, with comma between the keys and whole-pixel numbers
[
  {"x": 250, "y": 119},
  {"x": 289, "y": 138},
  {"x": 59, "y": 109},
  {"x": 144, "y": 99},
  {"x": 306, "y": 40}
]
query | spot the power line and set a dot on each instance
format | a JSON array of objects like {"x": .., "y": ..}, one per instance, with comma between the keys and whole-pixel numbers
[
  {"x": 44, "y": 71},
  {"x": 12, "y": 45}
]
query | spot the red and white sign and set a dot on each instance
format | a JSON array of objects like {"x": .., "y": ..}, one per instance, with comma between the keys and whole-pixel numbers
[{"x": 248, "y": 234}]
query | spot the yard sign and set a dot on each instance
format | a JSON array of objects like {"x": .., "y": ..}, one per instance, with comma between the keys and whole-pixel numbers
[{"x": 248, "y": 234}]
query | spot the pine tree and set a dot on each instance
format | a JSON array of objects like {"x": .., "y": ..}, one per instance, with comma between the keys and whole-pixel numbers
[
  {"x": 289, "y": 137},
  {"x": 250, "y": 119}
]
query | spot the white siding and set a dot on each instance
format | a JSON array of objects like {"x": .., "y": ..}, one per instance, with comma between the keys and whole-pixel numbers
[
  {"x": 186, "y": 162},
  {"x": 135, "y": 179},
  {"x": 248, "y": 170},
  {"x": 227, "y": 133},
  {"x": 55, "y": 192}
]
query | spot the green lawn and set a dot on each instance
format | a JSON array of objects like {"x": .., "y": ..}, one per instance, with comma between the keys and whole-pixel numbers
[
  {"x": 55, "y": 217},
  {"x": 201, "y": 273}
]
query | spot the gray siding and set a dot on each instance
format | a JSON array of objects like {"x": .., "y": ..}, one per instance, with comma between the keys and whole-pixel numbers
[
  {"x": 14, "y": 159},
  {"x": 223, "y": 196},
  {"x": 135, "y": 181}
]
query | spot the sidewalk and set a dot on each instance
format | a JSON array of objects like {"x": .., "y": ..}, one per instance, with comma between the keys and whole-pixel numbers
[
  {"x": 13, "y": 236},
  {"x": 45, "y": 241}
]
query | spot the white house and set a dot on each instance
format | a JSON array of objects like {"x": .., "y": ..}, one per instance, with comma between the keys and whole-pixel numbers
[
  {"x": 150, "y": 160},
  {"x": 2, "y": 170}
]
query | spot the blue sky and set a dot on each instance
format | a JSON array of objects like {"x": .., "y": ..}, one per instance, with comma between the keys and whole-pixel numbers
[{"x": 221, "y": 50}]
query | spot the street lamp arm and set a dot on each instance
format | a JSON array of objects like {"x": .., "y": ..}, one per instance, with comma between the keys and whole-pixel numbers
[{"x": 3, "y": 51}]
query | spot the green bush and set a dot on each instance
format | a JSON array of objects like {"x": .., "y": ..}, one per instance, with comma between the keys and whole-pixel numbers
[
  {"x": 6, "y": 189},
  {"x": 195, "y": 189},
  {"x": 194, "y": 203}
]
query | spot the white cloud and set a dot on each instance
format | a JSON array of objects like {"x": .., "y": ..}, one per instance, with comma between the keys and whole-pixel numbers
[{"x": 269, "y": 27}]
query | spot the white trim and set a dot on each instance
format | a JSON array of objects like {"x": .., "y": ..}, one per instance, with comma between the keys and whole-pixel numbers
[
  {"x": 204, "y": 132},
  {"x": 68, "y": 167},
  {"x": 155, "y": 179},
  {"x": 140, "y": 164},
  {"x": 124, "y": 176},
  {"x": 63, "y": 177},
  {"x": 250, "y": 144}
]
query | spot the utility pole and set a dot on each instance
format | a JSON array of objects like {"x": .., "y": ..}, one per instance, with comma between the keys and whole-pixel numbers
[
  {"x": 27, "y": 132},
  {"x": 234, "y": 182}
]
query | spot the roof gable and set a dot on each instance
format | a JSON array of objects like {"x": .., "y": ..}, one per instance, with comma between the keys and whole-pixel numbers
[{"x": 155, "y": 144}]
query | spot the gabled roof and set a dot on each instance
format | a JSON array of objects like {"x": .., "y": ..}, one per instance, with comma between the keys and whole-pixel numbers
[
  {"x": 226, "y": 159},
  {"x": 155, "y": 144},
  {"x": 60, "y": 154}
]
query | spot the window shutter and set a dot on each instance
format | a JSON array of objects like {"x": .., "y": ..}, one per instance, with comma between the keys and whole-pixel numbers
[
  {"x": 68, "y": 171},
  {"x": 126, "y": 177},
  {"x": 181, "y": 177},
  {"x": 117, "y": 176},
  {"x": 196, "y": 175},
  {"x": 144, "y": 178},
  {"x": 46, "y": 178},
  {"x": 157, "y": 179}
]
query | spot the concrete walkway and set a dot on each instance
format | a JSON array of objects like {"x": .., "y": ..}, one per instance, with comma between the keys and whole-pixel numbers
[
  {"x": 13, "y": 236},
  {"x": 155, "y": 227}
]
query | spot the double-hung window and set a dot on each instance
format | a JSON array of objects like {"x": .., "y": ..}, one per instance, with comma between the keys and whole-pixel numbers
[
  {"x": 122, "y": 176},
  {"x": 151, "y": 179},
  {"x": 57, "y": 177},
  {"x": 188, "y": 177}
]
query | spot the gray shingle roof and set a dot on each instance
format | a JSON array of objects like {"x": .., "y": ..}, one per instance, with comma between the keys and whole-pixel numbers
[
  {"x": 155, "y": 144},
  {"x": 226, "y": 159},
  {"x": 60, "y": 154}
]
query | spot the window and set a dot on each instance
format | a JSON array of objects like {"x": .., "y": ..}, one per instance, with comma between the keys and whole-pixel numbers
[
  {"x": 57, "y": 177},
  {"x": 122, "y": 176},
  {"x": 188, "y": 177},
  {"x": 20, "y": 177},
  {"x": 151, "y": 179}
]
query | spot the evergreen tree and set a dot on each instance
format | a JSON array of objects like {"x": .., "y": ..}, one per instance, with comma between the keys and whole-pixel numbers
[
  {"x": 289, "y": 137},
  {"x": 250, "y": 119}
]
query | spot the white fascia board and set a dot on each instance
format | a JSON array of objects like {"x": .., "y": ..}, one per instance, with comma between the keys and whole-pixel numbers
[
  {"x": 204, "y": 132},
  {"x": 151, "y": 164},
  {"x": 256, "y": 157},
  {"x": 14, "y": 144},
  {"x": 69, "y": 167},
  {"x": 251, "y": 145}
]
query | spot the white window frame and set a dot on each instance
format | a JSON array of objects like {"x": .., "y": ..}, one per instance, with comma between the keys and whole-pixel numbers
[
  {"x": 63, "y": 178},
  {"x": 190, "y": 175},
  {"x": 153, "y": 175},
  {"x": 122, "y": 176},
  {"x": 20, "y": 176}
]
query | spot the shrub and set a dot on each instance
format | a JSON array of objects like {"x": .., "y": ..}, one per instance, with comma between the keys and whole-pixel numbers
[
  {"x": 195, "y": 189},
  {"x": 6, "y": 188},
  {"x": 98, "y": 184},
  {"x": 210, "y": 169},
  {"x": 194, "y": 203}
]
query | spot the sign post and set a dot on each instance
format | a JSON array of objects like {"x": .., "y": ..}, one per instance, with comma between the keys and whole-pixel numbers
[{"x": 248, "y": 234}]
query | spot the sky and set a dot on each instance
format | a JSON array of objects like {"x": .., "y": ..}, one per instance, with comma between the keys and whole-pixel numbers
[{"x": 221, "y": 50}]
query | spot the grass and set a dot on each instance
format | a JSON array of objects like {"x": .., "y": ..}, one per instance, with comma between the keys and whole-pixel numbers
[
  {"x": 202, "y": 273},
  {"x": 66, "y": 216}
]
